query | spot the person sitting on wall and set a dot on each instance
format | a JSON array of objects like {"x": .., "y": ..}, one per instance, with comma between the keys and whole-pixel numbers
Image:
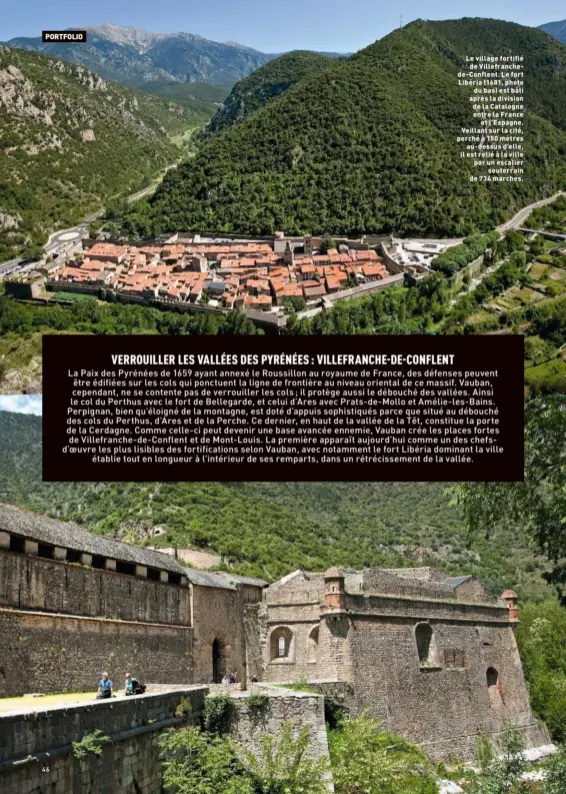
[
  {"x": 104, "y": 687},
  {"x": 133, "y": 686},
  {"x": 234, "y": 678},
  {"x": 226, "y": 679}
]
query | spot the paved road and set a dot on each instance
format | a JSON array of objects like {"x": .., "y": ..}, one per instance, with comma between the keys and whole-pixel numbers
[
  {"x": 7, "y": 268},
  {"x": 518, "y": 219}
]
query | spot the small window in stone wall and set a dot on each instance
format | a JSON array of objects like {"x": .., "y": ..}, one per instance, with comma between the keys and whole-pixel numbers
[
  {"x": 73, "y": 555},
  {"x": 45, "y": 550},
  {"x": 125, "y": 567},
  {"x": 153, "y": 574},
  {"x": 98, "y": 561}
]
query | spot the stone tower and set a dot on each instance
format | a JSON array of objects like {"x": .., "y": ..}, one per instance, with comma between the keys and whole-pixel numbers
[
  {"x": 334, "y": 591},
  {"x": 288, "y": 254},
  {"x": 512, "y": 602}
]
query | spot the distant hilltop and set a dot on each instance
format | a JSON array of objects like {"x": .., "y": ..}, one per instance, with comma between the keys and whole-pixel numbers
[{"x": 556, "y": 29}]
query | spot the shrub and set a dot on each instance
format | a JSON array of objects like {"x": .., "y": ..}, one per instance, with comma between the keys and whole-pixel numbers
[
  {"x": 217, "y": 713},
  {"x": 365, "y": 759},
  {"x": 91, "y": 743},
  {"x": 257, "y": 701}
]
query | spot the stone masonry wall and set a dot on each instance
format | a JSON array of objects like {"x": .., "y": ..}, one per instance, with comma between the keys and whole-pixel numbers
[
  {"x": 248, "y": 725},
  {"x": 442, "y": 703},
  {"x": 57, "y": 653},
  {"x": 218, "y": 614},
  {"x": 299, "y": 587},
  {"x": 441, "y": 706},
  {"x": 427, "y": 608},
  {"x": 255, "y": 634},
  {"x": 129, "y": 764},
  {"x": 28, "y": 582}
]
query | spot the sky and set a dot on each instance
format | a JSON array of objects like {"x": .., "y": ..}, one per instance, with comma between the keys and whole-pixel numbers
[
  {"x": 21, "y": 404},
  {"x": 324, "y": 25}
]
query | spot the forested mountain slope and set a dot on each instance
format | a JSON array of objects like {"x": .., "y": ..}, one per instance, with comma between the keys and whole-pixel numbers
[
  {"x": 270, "y": 529},
  {"x": 266, "y": 84},
  {"x": 69, "y": 140},
  {"x": 369, "y": 144}
]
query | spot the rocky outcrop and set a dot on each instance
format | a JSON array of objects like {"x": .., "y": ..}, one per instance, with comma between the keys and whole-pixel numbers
[
  {"x": 9, "y": 221},
  {"x": 17, "y": 95}
]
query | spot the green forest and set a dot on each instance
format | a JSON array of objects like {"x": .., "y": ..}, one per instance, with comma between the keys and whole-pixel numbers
[
  {"x": 368, "y": 144},
  {"x": 265, "y": 84},
  {"x": 551, "y": 218}
]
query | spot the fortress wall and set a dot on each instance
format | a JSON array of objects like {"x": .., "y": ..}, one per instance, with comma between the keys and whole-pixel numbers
[
  {"x": 375, "y": 581},
  {"x": 218, "y": 614},
  {"x": 128, "y": 764},
  {"x": 28, "y": 582},
  {"x": 474, "y": 268},
  {"x": 425, "y": 608},
  {"x": 60, "y": 653},
  {"x": 285, "y": 613},
  {"x": 448, "y": 701},
  {"x": 297, "y": 589}
]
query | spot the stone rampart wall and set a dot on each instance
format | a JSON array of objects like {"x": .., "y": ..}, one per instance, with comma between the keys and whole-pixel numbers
[
  {"x": 29, "y": 582},
  {"x": 60, "y": 653},
  {"x": 36, "y": 749}
]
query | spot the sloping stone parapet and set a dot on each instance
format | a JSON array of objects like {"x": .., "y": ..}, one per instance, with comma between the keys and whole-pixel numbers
[{"x": 36, "y": 747}]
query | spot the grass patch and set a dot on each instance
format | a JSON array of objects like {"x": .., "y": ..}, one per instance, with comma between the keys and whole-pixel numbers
[
  {"x": 75, "y": 297},
  {"x": 538, "y": 271},
  {"x": 547, "y": 377}
]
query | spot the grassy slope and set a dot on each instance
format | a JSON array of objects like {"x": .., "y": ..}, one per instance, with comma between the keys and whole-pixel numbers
[
  {"x": 49, "y": 176},
  {"x": 369, "y": 143},
  {"x": 269, "y": 529}
]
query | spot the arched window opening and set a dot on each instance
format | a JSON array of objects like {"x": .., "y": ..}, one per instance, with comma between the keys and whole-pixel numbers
[
  {"x": 281, "y": 640},
  {"x": 313, "y": 645},
  {"x": 426, "y": 646},
  {"x": 494, "y": 687}
]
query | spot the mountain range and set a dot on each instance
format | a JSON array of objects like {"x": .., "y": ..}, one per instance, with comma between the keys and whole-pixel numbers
[
  {"x": 136, "y": 57},
  {"x": 369, "y": 143}
]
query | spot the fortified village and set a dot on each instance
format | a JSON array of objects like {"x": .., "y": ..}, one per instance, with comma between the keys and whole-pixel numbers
[
  {"x": 433, "y": 657},
  {"x": 264, "y": 277}
]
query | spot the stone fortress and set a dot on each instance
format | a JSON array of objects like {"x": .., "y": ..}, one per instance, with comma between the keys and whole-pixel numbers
[{"x": 433, "y": 657}]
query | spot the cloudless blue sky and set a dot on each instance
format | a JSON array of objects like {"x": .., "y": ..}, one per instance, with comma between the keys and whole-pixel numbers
[{"x": 334, "y": 25}]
